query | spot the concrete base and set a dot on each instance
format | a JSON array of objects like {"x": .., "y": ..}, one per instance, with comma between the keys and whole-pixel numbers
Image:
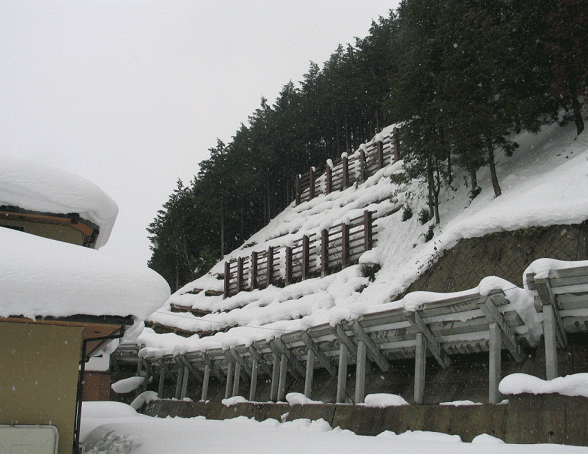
[{"x": 526, "y": 419}]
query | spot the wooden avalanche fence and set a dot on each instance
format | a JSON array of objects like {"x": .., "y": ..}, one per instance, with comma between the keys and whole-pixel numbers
[
  {"x": 312, "y": 255},
  {"x": 348, "y": 170}
]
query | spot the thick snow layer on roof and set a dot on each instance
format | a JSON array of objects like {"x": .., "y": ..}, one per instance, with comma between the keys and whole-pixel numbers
[
  {"x": 37, "y": 187},
  {"x": 41, "y": 277}
]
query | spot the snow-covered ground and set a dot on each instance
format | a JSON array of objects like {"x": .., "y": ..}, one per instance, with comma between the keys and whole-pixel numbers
[{"x": 117, "y": 429}]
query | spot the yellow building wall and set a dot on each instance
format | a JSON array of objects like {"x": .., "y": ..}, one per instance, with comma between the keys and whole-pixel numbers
[
  {"x": 55, "y": 232},
  {"x": 39, "y": 375}
]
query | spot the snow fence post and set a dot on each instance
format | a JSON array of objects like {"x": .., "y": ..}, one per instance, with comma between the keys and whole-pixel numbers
[
  {"x": 288, "y": 265},
  {"x": 324, "y": 252},
  {"x": 253, "y": 272},
  {"x": 380, "y": 154},
  {"x": 270, "y": 266},
  {"x": 239, "y": 274},
  {"x": 297, "y": 189},
  {"x": 305, "y": 257},
  {"x": 345, "y": 164},
  {"x": 227, "y": 279},
  {"x": 329, "y": 175},
  {"x": 311, "y": 183},
  {"x": 344, "y": 244},
  {"x": 367, "y": 230}
]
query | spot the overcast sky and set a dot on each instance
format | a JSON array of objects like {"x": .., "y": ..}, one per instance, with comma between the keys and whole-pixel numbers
[{"x": 132, "y": 94}]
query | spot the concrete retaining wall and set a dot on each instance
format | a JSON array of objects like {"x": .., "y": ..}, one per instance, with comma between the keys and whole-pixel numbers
[{"x": 525, "y": 419}]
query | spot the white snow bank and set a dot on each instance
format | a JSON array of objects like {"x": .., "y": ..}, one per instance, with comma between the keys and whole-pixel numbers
[
  {"x": 382, "y": 400},
  {"x": 422, "y": 435},
  {"x": 144, "y": 398},
  {"x": 38, "y": 187},
  {"x": 107, "y": 410},
  {"x": 460, "y": 403},
  {"x": 127, "y": 385},
  {"x": 571, "y": 385},
  {"x": 234, "y": 401},
  {"x": 487, "y": 440},
  {"x": 300, "y": 399},
  {"x": 41, "y": 277}
]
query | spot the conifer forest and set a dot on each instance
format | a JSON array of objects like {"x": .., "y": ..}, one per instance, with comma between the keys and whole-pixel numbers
[{"x": 460, "y": 78}]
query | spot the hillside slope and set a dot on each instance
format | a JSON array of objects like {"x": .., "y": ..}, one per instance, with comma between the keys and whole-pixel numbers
[{"x": 544, "y": 183}]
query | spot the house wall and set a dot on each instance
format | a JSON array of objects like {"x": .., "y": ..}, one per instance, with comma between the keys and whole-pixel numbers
[
  {"x": 55, "y": 232},
  {"x": 38, "y": 382}
]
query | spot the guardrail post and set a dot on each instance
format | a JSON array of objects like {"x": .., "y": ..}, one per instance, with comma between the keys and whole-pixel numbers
[
  {"x": 288, "y": 265},
  {"x": 324, "y": 252}
]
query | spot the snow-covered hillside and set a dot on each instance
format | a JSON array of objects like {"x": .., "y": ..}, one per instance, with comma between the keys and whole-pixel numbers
[{"x": 544, "y": 183}]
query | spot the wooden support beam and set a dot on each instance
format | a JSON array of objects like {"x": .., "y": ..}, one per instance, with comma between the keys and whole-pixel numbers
[
  {"x": 236, "y": 380},
  {"x": 239, "y": 359},
  {"x": 374, "y": 352},
  {"x": 260, "y": 361},
  {"x": 239, "y": 274},
  {"x": 344, "y": 245},
  {"x": 360, "y": 372},
  {"x": 229, "y": 384},
  {"x": 340, "y": 334},
  {"x": 190, "y": 366},
  {"x": 492, "y": 314},
  {"x": 547, "y": 297},
  {"x": 275, "y": 377},
  {"x": 298, "y": 189},
  {"x": 367, "y": 230},
  {"x": 550, "y": 339},
  {"x": 253, "y": 383},
  {"x": 215, "y": 370},
  {"x": 180, "y": 377},
  {"x": 283, "y": 377},
  {"x": 161, "y": 383},
  {"x": 495, "y": 362},
  {"x": 297, "y": 368},
  {"x": 419, "y": 367},
  {"x": 148, "y": 373},
  {"x": 362, "y": 165},
  {"x": 433, "y": 344},
  {"x": 345, "y": 168},
  {"x": 320, "y": 355},
  {"x": 329, "y": 176},
  {"x": 342, "y": 373},
  {"x": 305, "y": 257},
  {"x": 185, "y": 380},
  {"x": 167, "y": 370},
  {"x": 311, "y": 183},
  {"x": 309, "y": 373},
  {"x": 205, "y": 382}
]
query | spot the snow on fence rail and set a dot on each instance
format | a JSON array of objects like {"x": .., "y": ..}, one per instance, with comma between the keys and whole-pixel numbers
[
  {"x": 347, "y": 170},
  {"x": 313, "y": 254}
]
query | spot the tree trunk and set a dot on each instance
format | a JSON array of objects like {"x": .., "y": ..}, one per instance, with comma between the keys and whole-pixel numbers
[
  {"x": 473, "y": 179},
  {"x": 222, "y": 228},
  {"x": 493, "y": 176},
  {"x": 577, "y": 108},
  {"x": 431, "y": 185}
]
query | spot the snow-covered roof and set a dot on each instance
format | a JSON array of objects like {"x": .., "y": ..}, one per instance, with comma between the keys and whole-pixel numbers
[
  {"x": 42, "y": 277},
  {"x": 37, "y": 187}
]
